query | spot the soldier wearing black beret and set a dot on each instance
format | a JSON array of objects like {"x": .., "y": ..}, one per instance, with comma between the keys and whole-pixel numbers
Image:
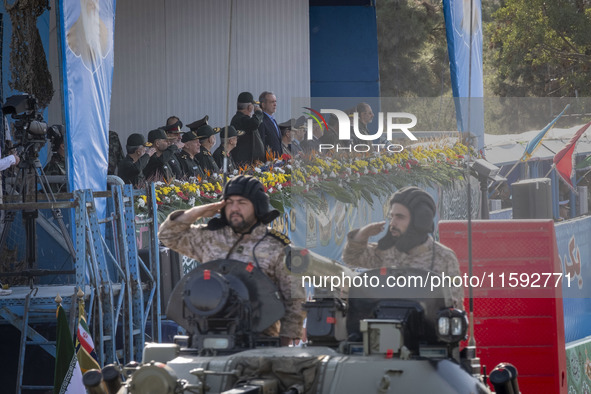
[
  {"x": 191, "y": 147},
  {"x": 131, "y": 168},
  {"x": 164, "y": 163},
  {"x": 222, "y": 151},
  {"x": 206, "y": 135}
]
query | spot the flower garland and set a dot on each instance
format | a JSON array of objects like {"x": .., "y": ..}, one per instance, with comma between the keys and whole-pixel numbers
[{"x": 349, "y": 177}]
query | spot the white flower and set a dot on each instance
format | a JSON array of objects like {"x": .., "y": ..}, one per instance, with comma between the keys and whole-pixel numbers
[
  {"x": 235, "y": 172},
  {"x": 333, "y": 174},
  {"x": 159, "y": 183},
  {"x": 270, "y": 189},
  {"x": 279, "y": 187},
  {"x": 141, "y": 203},
  {"x": 192, "y": 201},
  {"x": 288, "y": 166},
  {"x": 258, "y": 170}
]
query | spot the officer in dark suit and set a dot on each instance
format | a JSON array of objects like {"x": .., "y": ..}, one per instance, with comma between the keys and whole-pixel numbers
[
  {"x": 249, "y": 116},
  {"x": 207, "y": 137},
  {"x": 191, "y": 146},
  {"x": 131, "y": 168},
  {"x": 225, "y": 149},
  {"x": 163, "y": 164},
  {"x": 269, "y": 128}
]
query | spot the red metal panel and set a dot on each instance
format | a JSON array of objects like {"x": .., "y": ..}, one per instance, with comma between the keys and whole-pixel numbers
[{"x": 518, "y": 325}]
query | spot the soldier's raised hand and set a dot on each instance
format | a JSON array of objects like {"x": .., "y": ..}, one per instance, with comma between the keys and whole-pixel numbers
[{"x": 369, "y": 230}]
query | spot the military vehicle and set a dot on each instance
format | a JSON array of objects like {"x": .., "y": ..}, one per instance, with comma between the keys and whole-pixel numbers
[{"x": 374, "y": 338}]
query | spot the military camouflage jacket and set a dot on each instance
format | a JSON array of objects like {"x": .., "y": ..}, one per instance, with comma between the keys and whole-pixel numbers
[
  {"x": 430, "y": 255},
  {"x": 202, "y": 244}
]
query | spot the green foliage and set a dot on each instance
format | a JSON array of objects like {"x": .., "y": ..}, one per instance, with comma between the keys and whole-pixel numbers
[
  {"x": 412, "y": 49},
  {"x": 541, "y": 48}
]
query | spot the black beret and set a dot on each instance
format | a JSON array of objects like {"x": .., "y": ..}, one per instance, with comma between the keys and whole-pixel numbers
[
  {"x": 137, "y": 139},
  {"x": 198, "y": 123},
  {"x": 157, "y": 134},
  {"x": 246, "y": 97}
]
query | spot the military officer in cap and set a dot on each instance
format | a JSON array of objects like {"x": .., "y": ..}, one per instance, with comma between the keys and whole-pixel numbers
[
  {"x": 249, "y": 116},
  {"x": 163, "y": 164},
  {"x": 407, "y": 243},
  {"x": 287, "y": 134},
  {"x": 240, "y": 232},
  {"x": 191, "y": 146},
  {"x": 207, "y": 137},
  {"x": 173, "y": 131},
  {"x": 222, "y": 151},
  {"x": 131, "y": 168}
]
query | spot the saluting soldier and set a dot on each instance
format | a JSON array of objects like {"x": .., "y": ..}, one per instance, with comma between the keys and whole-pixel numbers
[
  {"x": 163, "y": 163},
  {"x": 191, "y": 146},
  {"x": 240, "y": 232},
  {"x": 221, "y": 152},
  {"x": 206, "y": 135},
  {"x": 131, "y": 168}
]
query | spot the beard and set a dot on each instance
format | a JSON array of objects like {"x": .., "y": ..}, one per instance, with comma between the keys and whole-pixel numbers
[
  {"x": 91, "y": 24},
  {"x": 239, "y": 223}
]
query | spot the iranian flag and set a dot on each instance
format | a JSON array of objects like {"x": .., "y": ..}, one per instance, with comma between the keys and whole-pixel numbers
[
  {"x": 67, "y": 377},
  {"x": 84, "y": 344}
]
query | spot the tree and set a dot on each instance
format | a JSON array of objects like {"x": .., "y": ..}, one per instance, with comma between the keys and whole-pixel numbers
[
  {"x": 412, "y": 49},
  {"x": 541, "y": 48}
]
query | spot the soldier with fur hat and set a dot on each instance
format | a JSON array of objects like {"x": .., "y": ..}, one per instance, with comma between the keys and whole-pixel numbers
[
  {"x": 240, "y": 232},
  {"x": 407, "y": 243}
]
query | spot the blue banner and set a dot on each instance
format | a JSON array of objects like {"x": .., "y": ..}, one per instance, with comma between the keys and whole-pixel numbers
[
  {"x": 464, "y": 45},
  {"x": 87, "y": 60}
]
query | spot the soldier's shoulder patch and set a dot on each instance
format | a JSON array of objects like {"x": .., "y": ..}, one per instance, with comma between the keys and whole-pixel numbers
[{"x": 279, "y": 236}]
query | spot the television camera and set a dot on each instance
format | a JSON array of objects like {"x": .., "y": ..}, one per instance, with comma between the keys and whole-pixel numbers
[{"x": 31, "y": 131}]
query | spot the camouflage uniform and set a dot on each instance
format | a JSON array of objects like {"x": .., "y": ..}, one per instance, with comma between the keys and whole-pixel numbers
[
  {"x": 442, "y": 259},
  {"x": 203, "y": 244}
]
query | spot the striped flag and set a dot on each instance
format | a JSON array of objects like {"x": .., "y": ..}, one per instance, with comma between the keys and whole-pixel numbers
[
  {"x": 84, "y": 344},
  {"x": 537, "y": 140},
  {"x": 67, "y": 374},
  {"x": 563, "y": 160}
]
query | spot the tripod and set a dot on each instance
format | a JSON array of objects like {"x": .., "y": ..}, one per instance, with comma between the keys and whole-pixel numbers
[{"x": 30, "y": 173}]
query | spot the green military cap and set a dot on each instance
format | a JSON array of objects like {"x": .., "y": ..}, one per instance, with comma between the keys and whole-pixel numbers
[
  {"x": 232, "y": 132},
  {"x": 137, "y": 139},
  {"x": 198, "y": 123},
  {"x": 207, "y": 131},
  {"x": 174, "y": 128},
  {"x": 189, "y": 136},
  {"x": 157, "y": 134}
]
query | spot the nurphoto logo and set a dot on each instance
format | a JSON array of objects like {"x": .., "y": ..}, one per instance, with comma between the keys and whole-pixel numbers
[{"x": 395, "y": 121}]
